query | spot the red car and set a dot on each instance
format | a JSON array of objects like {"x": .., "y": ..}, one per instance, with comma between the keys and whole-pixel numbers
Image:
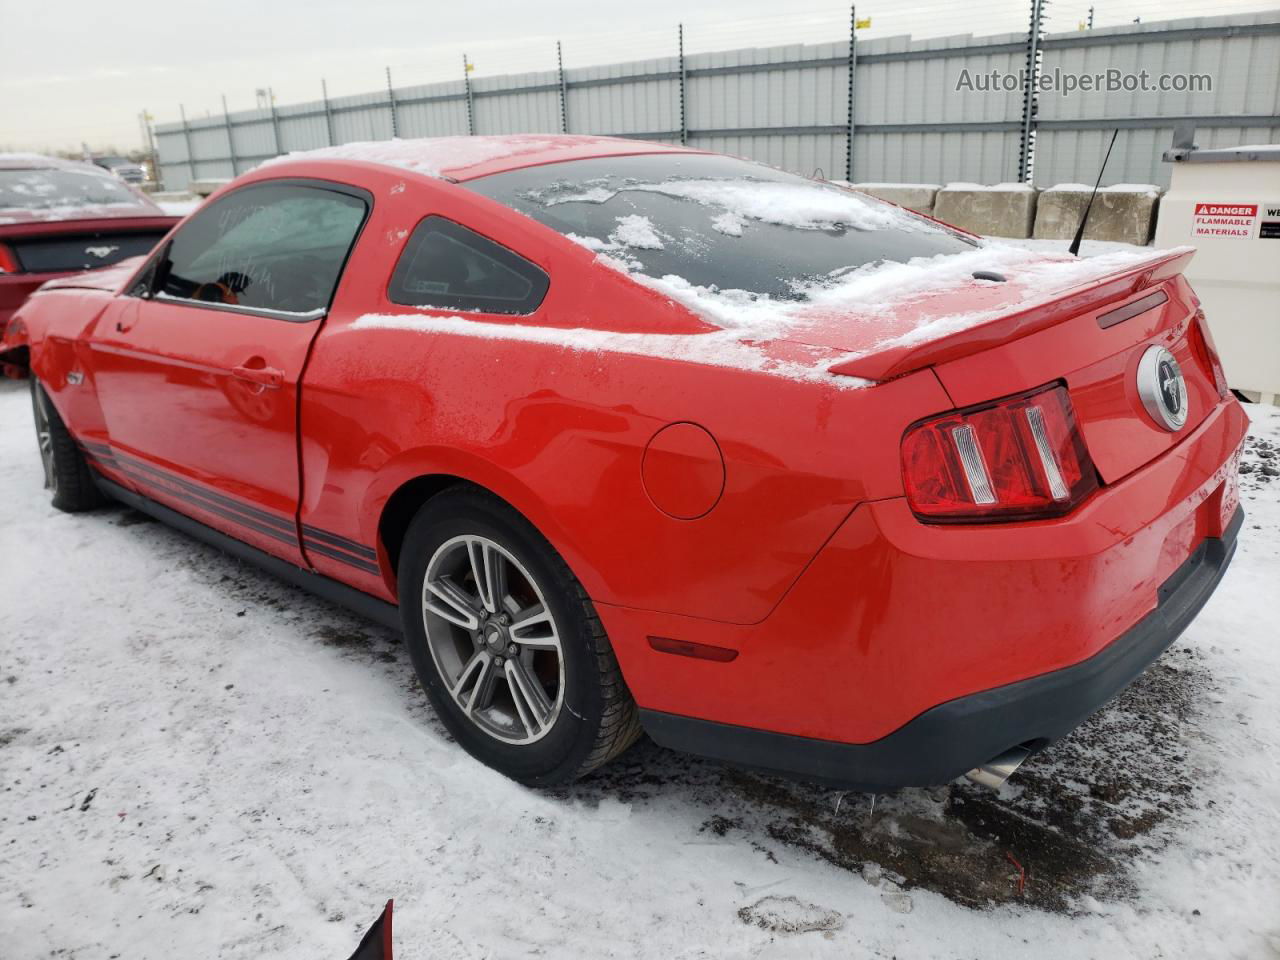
[
  {"x": 59, "y": 217},
  {"x": 627, "y": 436}
]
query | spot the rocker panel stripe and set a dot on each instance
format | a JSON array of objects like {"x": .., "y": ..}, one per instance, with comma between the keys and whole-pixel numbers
[{"x": 276, "y": 526}]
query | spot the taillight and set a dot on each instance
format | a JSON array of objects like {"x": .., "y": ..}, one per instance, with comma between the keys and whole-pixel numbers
[
  {"x": 8, "y": 261},
  {"x": 1019, "y": 458},
  {"x": 1202, "y": 343}
]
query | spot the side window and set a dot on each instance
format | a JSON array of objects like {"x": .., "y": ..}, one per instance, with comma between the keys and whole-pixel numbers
[
  {"x": 274, "y": 246},
  {"x": 447, "y": 266}
]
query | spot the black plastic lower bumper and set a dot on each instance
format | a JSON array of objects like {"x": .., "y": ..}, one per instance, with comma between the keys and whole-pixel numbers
[{"x": 954, "y": 737}]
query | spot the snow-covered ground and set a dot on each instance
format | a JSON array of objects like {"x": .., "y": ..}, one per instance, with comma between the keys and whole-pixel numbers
[{"x": 198, "y": 761}]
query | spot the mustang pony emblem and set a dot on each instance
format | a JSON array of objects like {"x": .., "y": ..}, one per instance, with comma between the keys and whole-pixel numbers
[
  {"x": 1162, "y": 388},
  {"x": 101, "y": 252}
]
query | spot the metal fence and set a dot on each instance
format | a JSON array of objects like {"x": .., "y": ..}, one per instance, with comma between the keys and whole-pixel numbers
[{"x": 874, "y": 110}]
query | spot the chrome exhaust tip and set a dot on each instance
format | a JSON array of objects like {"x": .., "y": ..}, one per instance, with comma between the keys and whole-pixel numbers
[{"x": 996, "y": 771}]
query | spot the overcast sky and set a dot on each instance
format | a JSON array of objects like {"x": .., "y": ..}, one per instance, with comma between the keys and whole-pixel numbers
[{"x": 82, "y": 70}]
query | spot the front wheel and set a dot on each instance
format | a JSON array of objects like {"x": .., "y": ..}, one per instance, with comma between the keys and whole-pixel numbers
[
  {"x": 66, "y": 473},
  {"x": 507, "y": 643}
]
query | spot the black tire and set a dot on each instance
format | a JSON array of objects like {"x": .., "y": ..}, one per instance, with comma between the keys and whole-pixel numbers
[
  {"x": 66, "y": 473},
  {"x": 597, "y": 717}
]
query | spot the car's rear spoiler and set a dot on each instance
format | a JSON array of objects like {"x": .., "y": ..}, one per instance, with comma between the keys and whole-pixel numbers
[{"x": 896, "y": 360}]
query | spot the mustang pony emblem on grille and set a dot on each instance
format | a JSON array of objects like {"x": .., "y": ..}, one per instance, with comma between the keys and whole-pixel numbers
[{"x": 100, "y": 252}]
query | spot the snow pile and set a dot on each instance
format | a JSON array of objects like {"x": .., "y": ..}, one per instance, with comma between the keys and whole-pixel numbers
[
  {"x": 878, "y": 289},
  {"x": 1039, "y": 278},
  {"x": 728, "y": 223},
  {"x": 632, "y": 231},
  {"x": 1149, "y": 189},
  {"x": 790, "y": 915},
  {"x": 636, "y": 231},
  {"x": 877, "y": 185},
  {"x": 1002, "y": 187},
  {"x": 431, "y": 156}
]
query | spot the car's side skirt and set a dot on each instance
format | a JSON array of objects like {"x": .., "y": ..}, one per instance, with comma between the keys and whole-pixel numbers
[
  {"x": 274, "y": 525},
  {"x": 387, "y": 614}
]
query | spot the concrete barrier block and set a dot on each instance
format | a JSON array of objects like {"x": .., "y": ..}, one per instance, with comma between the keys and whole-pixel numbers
[
  {"x": 202, "y": 188},
  {"x": 914, "y": 196},
  {"x": 1005, "y": 210},
  {"x": 1125, "y": 213}
]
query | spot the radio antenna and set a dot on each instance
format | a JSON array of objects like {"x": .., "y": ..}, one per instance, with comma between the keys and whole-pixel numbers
[{"x": 1074, "y": 249}]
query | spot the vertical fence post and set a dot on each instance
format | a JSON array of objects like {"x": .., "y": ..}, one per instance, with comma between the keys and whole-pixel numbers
[
  {"x": 391, "y": 99},
  {"x": 328, "y": 110},
  {"x": 151, "y": 148},
  {"x": 186, "y": 133},
  {"x": 275, "y": 120},
  {"x": 684, "y": 123},
  {"x": 853, "y": 66},
  {"x": 564, "y": 104},
  {"x": 471, "y": 113},
  {"x": 231, "y": 140},
  {"x": 1030, "y": 95}
]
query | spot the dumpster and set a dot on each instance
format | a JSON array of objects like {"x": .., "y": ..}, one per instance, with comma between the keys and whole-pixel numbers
[{"x": 1226, "y": 203}]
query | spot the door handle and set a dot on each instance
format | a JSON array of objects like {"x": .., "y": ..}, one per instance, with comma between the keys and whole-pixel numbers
[{"x": 264, "y": 376}]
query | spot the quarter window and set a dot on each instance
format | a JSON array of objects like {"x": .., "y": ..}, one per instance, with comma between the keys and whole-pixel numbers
[
  {"x": 447, "y": 266},
  {"x": 274, "y": 246}
]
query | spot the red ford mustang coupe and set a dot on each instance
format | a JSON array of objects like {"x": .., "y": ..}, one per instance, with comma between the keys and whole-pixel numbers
[
  {"x": 59, "y": 217},
  {"x": 627, "y": 436}
]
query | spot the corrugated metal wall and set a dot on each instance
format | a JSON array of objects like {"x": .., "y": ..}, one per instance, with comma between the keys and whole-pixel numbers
[
  {"x": 1245, "y": 66},
  {"x": 788, "y": 106}
]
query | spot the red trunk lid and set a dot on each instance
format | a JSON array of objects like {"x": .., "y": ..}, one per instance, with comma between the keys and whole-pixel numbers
[
  {"x": 986, "y": 340},
  {"x": 1097, "y": 353}
]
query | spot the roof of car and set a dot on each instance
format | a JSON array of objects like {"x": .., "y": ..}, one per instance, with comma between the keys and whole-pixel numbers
[
  {"x": 37, "y": 161},
  {"x": 468, "y": 157}
]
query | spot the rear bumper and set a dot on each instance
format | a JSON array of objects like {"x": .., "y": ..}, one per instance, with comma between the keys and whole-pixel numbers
[
  {"x": 948, "y": 740},
  {"x": 894, "y": 619},
  {"x": 14, "y": 290}
]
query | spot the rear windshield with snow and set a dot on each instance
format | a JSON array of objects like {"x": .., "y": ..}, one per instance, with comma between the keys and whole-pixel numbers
[
  {"x": 718, "y": 222},
  {"x": 45, "y": 189}
]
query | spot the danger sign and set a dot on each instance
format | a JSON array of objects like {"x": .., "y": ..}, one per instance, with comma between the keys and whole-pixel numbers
[{"x": 1225, "y": 220}]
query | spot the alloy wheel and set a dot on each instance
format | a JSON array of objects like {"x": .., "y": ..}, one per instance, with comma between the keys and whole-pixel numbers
[
  {"x": 44, "y": 435},
  {"x": 494, "y": 639}
]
